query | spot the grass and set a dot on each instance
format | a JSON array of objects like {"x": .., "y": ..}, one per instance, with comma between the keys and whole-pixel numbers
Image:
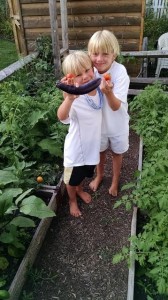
[{"x": 8, "y": 53}]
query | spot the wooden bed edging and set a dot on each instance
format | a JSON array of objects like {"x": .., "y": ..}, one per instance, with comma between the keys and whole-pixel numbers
[
  {"x": 17, "y": 65},
  {"x": 138, "y": 83},
  {"x": 131, "y": 273},
  {"x": 21, "y": 63},
  {"x": 36, "y": 243},
  {"x": 146, "y": 54}
]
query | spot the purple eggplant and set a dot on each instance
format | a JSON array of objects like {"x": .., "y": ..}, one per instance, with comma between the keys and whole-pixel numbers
[{"x": 81, "y": 90}]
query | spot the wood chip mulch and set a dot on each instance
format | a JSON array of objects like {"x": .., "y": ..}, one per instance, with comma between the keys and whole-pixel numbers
[{"x": 75, "y": 261}]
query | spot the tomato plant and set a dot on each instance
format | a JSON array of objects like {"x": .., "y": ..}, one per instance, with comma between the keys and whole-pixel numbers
[
  {"x": 31, "y": 143},
  {"x": 149, "y": 111}
]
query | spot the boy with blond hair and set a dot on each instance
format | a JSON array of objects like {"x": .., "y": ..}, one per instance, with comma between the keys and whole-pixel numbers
[
  {"x": 103, "y": 49},
  {"x": 84, "y": 114}
]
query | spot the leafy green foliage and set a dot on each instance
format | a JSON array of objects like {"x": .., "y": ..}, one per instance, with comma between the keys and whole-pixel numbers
[
  {"x": 29, "y": 128},
  {"x": 27, "y": 121},
  {"x": 38, "y": 277},
  {"x": 31, "y": 144},
  {"x": 27, "y": 296},
  {"x": 160, "y": 26},
  {"x": 5, "y": 22},
  {"x": 149, "y": 111}
]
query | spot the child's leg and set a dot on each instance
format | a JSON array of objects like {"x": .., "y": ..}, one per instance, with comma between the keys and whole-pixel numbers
[
  {"x": 74, "y": 209},
  {"x": 83, "y": 195},
  {"x": 99, "y": 172},
  {"x": 117, "y": 164}
]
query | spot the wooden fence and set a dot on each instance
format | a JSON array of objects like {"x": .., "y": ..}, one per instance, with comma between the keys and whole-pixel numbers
[
  {"x": 32, "y": 18},
  {"x": 158, "y": 7}
]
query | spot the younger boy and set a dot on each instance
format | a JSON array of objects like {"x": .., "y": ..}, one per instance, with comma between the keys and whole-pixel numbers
[{"x": 82, "y": 143}]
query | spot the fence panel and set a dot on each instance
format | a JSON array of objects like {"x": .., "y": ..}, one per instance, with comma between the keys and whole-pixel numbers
[{"x": 159, "y": 7}]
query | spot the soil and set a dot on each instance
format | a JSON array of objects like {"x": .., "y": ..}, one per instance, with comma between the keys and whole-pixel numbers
[{"x": 75, "y": 261}]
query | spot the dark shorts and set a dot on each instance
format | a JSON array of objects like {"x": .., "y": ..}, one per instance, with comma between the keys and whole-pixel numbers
[{"x": 75, "y": 175}]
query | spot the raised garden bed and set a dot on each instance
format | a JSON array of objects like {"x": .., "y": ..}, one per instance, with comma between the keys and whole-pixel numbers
[{"x": 53, "y": 193}]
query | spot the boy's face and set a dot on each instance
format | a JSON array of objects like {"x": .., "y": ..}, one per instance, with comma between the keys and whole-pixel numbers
[
  {"x": 102, "y": 61},
  {"x": 84, "y": 76}
]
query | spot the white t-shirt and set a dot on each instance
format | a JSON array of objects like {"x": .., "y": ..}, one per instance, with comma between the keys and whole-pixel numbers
[
  {"x": 82, "y": 143},
  {"x": 116, "y": 123}
]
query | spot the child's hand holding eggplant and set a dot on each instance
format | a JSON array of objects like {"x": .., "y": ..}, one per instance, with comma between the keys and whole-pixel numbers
[
  {"x": 80, "y": 90},
  {"x": 68, "y": 80}
]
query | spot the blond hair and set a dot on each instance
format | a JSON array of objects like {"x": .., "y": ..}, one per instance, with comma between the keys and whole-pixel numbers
[
  {"x": 75, "y": 62},
  {"x": 103, "y": 41}
]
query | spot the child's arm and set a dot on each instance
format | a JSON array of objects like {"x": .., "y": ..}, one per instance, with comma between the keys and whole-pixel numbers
[
  {"x": 107, "y": 89},
  {"x": 64, "y": 108}
]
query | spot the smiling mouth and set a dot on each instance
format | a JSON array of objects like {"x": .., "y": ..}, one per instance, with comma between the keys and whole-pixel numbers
[{"x": 100, "y": 64}]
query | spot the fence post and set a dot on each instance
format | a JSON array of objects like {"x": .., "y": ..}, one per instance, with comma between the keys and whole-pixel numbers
[
  {"x": 55, "y": 37},
  {"x": 64, "y": 24}
]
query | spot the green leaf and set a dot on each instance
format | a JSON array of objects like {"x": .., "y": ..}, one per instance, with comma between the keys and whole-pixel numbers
[
  {"x": 49, "y": 145},
  {"x": 163, "y": 203},
  {"x": 3, "y": 263},
  {"x": 6, "y": 200},
  {"x": 11, "y": 209},
  {"x": 128, "y": 186},
  {"x": 4, "y": 294},
  {"x": 15, "y": 252},
  {"x": 149, "y": 298},
  {"x": 161, "y": 285},
  {"x": 36, "y": 207},
  {"x": 128, "y": 206},
  {"x": 6, "y": 237},
  {"x": 118, "y": 203},
  {"x": 22, "y": 196},
  {"x": 4, "y": 205},
  {"x": 23, "y": 222},
  {"x": 2, "y": 282},
  {"x": 117, "y": 258},
  {"x": 7, "y": 177},
  {"x": 36, "y": 116},
  {"x": 12, "y": 192}
]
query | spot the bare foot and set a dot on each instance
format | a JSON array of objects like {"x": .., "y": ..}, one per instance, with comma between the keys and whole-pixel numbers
[
  {"x": 84, "y": 196},
  {"x": 94, "y": 184},
  {"x": 74, "y": 210},
  {"x": 113, "y": 190}
]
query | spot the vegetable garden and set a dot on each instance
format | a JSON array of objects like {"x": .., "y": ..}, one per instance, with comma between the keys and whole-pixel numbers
[
  {"x": 31, "y": 147},
  {"x": 149, "y": 112}
]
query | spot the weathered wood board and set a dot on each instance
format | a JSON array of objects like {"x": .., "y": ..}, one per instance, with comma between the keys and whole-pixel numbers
[{"x": 84, "y": 18}]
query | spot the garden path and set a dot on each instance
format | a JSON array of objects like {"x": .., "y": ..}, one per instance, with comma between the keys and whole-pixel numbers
[{"x": 75, "y": 261}]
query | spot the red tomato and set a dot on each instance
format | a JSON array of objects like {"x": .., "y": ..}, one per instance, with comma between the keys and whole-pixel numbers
[
  {"x": 107, "y": 76},
  {"x": 70, "y": 76}
]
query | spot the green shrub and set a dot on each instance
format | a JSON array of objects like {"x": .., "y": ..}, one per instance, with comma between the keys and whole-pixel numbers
[
  {"x": 154, "y": 28},
  {"x": 31, "y": 144},
  {"x": 149, "y": 111},
  {"x": 5, "y": 22}
]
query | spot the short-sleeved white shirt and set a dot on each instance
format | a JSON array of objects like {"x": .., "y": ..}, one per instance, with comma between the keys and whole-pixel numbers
[
  {"x": 82, "y": 143},
  {"x": 116, "y": 123}
]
